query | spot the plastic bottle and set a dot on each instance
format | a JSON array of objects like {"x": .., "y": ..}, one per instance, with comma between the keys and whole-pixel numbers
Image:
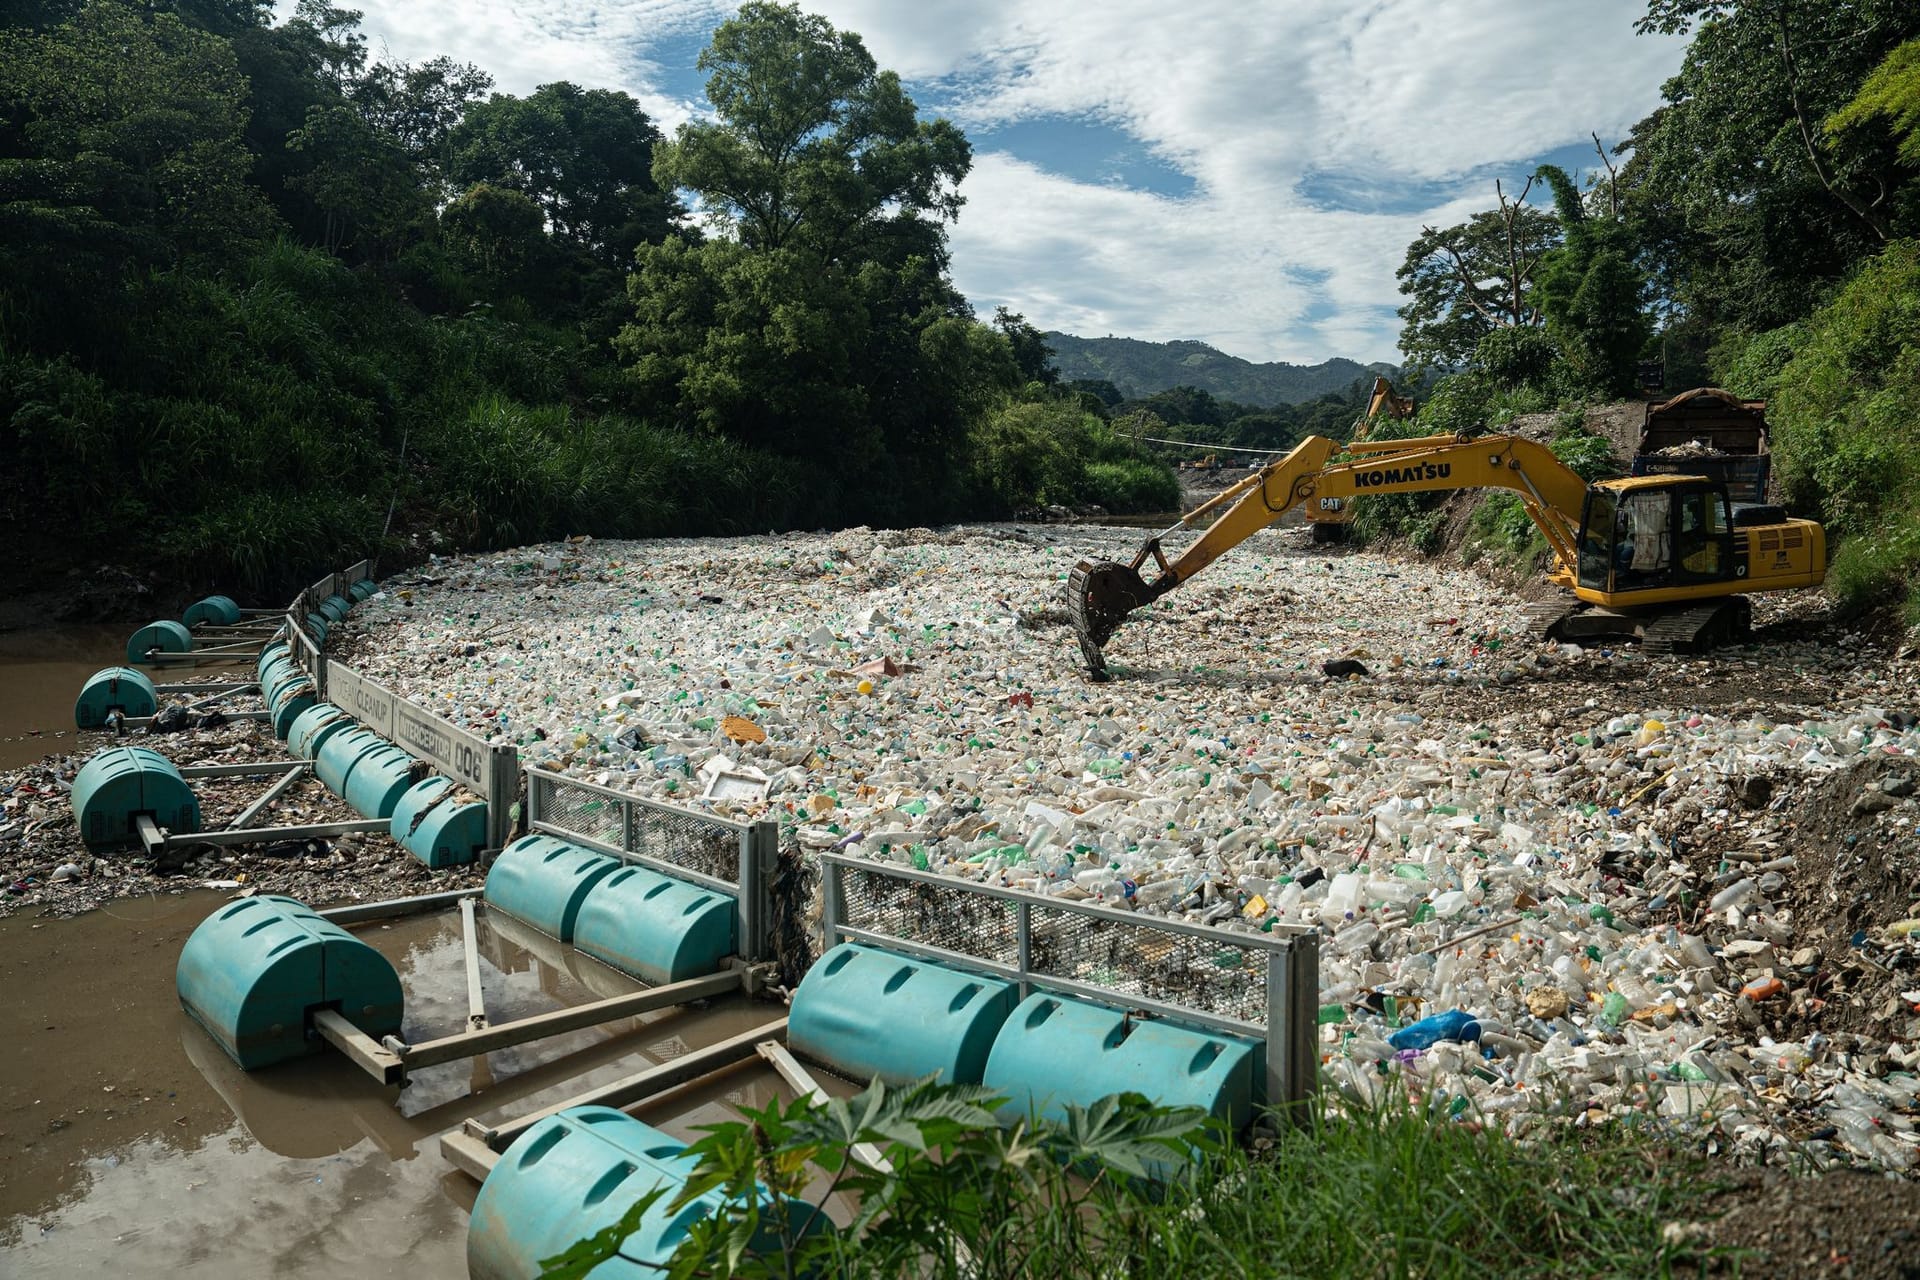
[
  {"x": 1355, "y": 938},
  {"x": 1342, "y": 897}
]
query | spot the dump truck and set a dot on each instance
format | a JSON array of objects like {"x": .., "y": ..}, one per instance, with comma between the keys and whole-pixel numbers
[{"x": 1708, "y": 432}]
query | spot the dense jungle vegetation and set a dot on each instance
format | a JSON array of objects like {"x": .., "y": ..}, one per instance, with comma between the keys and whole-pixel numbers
[{"x": 267, "y": 303}]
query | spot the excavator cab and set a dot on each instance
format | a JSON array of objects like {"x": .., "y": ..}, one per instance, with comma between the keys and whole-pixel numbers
[{"x": 1657, "y": 534}]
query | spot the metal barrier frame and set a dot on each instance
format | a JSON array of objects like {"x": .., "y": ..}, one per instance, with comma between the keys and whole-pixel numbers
[
  {"x": 759, "y": 844},
  {"x": 303, "y": 648},
  {"x": 489, "y": 770},
  {"x": 1292, "y": 978},
  {"x": 305, "y": 651}
]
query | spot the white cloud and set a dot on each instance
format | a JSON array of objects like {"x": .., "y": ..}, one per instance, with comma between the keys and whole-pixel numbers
[
  {"x": 524, "y": 44},
  {"x": 1250, "y": 101}
]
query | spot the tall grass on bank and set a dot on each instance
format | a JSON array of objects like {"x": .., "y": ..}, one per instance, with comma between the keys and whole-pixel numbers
[{"x": 1122, "y": 1188}]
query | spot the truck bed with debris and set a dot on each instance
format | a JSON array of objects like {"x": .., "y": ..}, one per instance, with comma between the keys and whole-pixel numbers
[{"x": 1712, "y": 433}]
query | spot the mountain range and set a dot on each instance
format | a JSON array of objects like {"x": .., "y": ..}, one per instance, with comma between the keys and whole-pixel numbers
[{"x": 1140, "y": 368}]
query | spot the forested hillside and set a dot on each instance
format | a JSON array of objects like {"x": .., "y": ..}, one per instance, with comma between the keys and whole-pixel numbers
[
  {"x": 1138, "y": 369},
  {"x": 268, "y": 303}
]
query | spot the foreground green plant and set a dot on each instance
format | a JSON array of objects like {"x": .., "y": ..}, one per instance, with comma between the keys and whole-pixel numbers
[{"x": 1126, "y": 1188}]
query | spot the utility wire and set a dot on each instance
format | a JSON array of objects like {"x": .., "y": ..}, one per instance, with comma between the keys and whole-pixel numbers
[{"x": 1210, "y": 448}]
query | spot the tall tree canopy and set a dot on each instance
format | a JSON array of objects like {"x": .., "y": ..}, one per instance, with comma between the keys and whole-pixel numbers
[
  {"x": 1747, "y": 206},
  {"x": 419, "y": 107},
  {"x": 1891, "y": 94},
  {"x": 1471, "y": 279},
  {"x": 585, "y": 156},
  {"x": 813, "y": 144},
  {"x": 123, "y": 133},
  {"x": 1591, "y": 290},
  {"x": 819, "y": 318}
]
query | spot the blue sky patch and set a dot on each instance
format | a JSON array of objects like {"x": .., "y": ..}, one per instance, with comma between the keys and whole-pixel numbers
[
  {"x": 1085, "y": 150},
  {"x": 1373, "y": 191},
  {"x": 674, "y": 56}
]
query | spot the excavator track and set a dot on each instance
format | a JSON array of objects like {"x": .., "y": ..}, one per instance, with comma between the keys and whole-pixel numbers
[
  {"x": 1542, "y": 619},
  {"x": 1698, "y": 629}
]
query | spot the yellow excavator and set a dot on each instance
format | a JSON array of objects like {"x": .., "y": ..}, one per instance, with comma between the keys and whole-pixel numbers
[{"x": 1667, "y": 560}]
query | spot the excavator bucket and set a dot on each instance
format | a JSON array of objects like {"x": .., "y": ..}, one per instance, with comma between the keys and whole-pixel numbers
[{"x": 1100, "y": 595}]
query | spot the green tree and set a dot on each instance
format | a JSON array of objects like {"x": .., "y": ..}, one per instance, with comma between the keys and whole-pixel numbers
[
  {"x": 362, "y": 180},
  {"x": 1590, "y": 289},
  {"x": 757, "y": 345},
  {"x": 813, "y": 143},
  {"x": 120, "y": 141},
  {"x": 1750, "y": 211},
  {"x": 1468, "y": 280},
  {"x": 1891, "y": 94},
  {"x": 1101, "y": 388},
  {"x": 1846, "y": 442},
  {"x": 1268, "y": 428},
  {"x": 584, "y": 155},
  {"x": 820, "y": 320},
  {"x": 1030, "y": 349},
  {"x": 37, "y": 13},
  {"x": 419, "y": 106},
  {"x": 496, "y": 234},
  {"x": 1186, "y": 405},
  {"x": 332, "y": 35}
]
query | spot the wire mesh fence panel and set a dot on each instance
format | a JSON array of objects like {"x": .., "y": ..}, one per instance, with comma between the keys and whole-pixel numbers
[
  {"x": 581, "y": 810},
  {"x": 689, "y": 840},
  {"x": 1263, "y": 984},
  {"x": 677, "y": 837},
  {"x": 933, "y": 915},
  {"x": 1219, "y": 975},
  {"x": 1214, "y": 975}
]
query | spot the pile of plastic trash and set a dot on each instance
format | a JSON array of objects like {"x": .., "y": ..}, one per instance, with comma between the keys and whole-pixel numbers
[
  {"x": 1552, "y": 882},
  {"x": 1688, "y": 449}
]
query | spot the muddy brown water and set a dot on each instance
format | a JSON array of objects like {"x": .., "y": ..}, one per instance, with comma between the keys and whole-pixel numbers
[
  {"x": 41, "y": 672},
  {"x": 129, "y": 1142}
]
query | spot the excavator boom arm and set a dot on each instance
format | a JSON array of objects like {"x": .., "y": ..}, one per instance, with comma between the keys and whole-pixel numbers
[
  {"x": 1552, "y": 492},
  {"x": 1102, "y": 595},
  {"x": 1276, "y": 489}
]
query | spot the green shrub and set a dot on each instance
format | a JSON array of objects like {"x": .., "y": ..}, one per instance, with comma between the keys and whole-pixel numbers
[
  {"x": 1459, "y": 405},
  {"x": 1590, "y": 456},
  {"x": 1517, "y": 357},
  {"x": 1501, "y": 523},
  {"x": 1036, "y": 453},
  {"x": 1846, "y": 438},
  {"x": 1393, "y": 1190},
  {"x": 1750, "y": 365},
  {"x": 1880, "y": 569},
  {"x": 1132, "y": 485}
]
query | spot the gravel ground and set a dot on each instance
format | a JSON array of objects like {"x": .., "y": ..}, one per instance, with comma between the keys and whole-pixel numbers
[{"x": 1672, "y": 892}]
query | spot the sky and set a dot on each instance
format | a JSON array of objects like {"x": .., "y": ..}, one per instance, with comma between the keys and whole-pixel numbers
[{"x": 1247, "y": 173}]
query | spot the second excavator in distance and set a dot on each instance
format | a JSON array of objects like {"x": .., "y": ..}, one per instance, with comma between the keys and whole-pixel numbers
[{"x": 1664, "y": 559}]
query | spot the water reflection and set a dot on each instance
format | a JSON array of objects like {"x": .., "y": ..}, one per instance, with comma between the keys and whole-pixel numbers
[{"x": 311, "y": 1167}]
